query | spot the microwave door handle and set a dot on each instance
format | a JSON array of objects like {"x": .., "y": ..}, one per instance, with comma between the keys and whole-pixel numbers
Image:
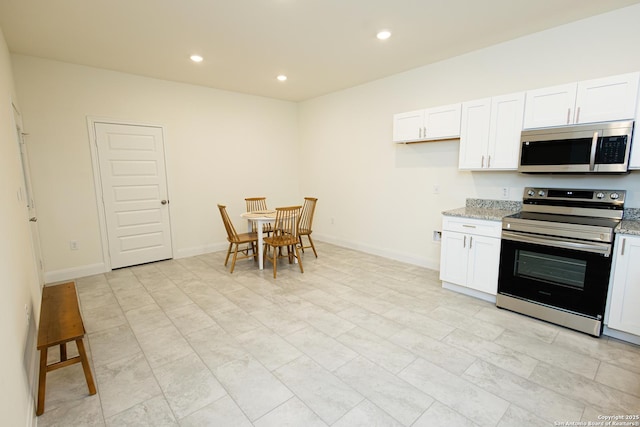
[{"x": 594, "y": 146}]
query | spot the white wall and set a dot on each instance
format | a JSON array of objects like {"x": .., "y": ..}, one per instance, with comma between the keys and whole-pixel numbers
[
  {"x": 220, "y": 146},
  {"x": 380, "y": 195},
  {"x": 18, "y": 278}
]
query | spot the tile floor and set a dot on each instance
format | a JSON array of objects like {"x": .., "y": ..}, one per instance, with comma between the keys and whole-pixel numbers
[{"x": 357, "y": 340}]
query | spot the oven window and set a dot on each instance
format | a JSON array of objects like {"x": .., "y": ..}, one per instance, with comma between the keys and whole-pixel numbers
[{"x": 554, "y": 269}]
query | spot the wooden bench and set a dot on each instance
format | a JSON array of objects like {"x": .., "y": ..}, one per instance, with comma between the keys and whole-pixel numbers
[{"x": 60, "y": 322}]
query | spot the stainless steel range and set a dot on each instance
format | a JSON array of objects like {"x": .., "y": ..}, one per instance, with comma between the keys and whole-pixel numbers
[{"x": 555, "y": 257}]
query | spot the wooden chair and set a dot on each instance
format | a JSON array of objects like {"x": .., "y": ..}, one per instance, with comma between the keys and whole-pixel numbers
[
  {"x": 305, "y": 223},
  {"x": 285, "y": 234},
  {"x": 258, "y": 204},
  {"x": 250, "y": 240}
]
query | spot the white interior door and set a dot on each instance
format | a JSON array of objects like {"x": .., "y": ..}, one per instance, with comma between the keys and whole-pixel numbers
[
  {"x": 27, "y": 195},
  {"x": 134, "y": 192}
]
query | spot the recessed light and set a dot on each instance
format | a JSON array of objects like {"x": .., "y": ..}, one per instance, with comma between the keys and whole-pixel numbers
[
  {"x": 281, "y": 78},
  {"x": 383, "y": 35},
  {"x": 196, "y": 58}
]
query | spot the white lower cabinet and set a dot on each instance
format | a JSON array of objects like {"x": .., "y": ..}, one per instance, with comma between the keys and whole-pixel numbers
[
  {"x": 470, "y": 255},
  {"x": 624, "y": 293}
]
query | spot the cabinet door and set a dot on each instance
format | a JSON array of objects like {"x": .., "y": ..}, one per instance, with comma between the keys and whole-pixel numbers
[
  {"x": 551, "y": 106},
  {"x": 610, "y": 98},
  {"x": 484, "y": 258},
  {"x": 408, "y": 126},
  {"x": 453, "y": 257},
  {"x": 624, "y": 314},
  {"x": 507, "y": 113},
  {"x": 442, "y": 122},
  {"x": 474, "y": 134}
]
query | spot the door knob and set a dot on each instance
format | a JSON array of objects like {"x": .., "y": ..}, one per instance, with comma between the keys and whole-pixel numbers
[
  {"x": 33, "y": 219},
  {"x": 164, "y": 202}
]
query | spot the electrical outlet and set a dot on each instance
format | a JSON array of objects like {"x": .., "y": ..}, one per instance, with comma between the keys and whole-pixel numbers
[
  {"x": 73, "y": 245},
  {"x": 437, "y": 235},
  {"x": 505, "y": 192},
  {"x": 436, "y": 189}
]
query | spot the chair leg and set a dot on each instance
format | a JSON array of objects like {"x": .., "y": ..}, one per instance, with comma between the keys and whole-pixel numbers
[
  {"x": 312, "y": 245},
  {"x": 301, "y": 244},
  {"x": 275, "y": 261},
  {"x": 226, "y": 260},
  {"x": 299, "y": 259},
  {"x": 235, "y": 255}
]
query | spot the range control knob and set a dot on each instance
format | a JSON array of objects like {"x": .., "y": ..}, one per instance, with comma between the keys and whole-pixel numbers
[
  {"x": 531, "y": 193},
  {"x": 541, "y": 193},
  {"x": 614, "y": 196},
  {"x": 600, "y": 195}
]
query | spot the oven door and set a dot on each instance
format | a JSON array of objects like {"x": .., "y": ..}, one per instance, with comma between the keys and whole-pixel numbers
[{"x": 563, "y": 273}]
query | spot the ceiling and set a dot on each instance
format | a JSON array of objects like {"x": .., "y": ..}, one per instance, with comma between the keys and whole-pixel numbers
[{"x": 321, "y": 45}]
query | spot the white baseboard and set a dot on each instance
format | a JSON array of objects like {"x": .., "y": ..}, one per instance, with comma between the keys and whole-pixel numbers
[
  {"x": 74, "y": 273},
  {"x": 624, "y": 336},
  {"x": 200, "y": 250},
  {"x": 402, "y": 257},
  {"x": 468, "y": 291}
]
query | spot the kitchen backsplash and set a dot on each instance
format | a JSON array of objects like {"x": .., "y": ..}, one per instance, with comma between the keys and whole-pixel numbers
[
  {"x": 510, "y": 205},
  {"x": 632, "y": 213}
]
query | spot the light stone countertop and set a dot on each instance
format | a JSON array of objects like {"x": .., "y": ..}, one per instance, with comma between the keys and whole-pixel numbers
[
  {"x": 491, "y": 210},
  {"x": 489, "y": 214},
  {"x": 629, "y": 226}
]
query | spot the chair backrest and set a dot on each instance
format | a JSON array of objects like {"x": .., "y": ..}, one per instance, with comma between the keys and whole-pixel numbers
[
  {"x": 256, "y": 204},
  {"x": 306, "y": 217},
  {"x": 286, "y": 223},
  {"x": 228, "y": 225}
]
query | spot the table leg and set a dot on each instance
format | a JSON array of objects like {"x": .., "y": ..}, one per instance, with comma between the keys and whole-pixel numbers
[
  {"x": 260, "y": 246},
  {"x": 42, "y": 381}
]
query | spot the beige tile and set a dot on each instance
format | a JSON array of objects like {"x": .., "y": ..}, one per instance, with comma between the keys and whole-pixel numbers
[
  {"x": 188, "y": 385},
  {"x": 459, "y": 394},
  {"x": 154, "y": 412},
  {"x": 439, "y": 414},
  {"x": 323, "y": 349},
  {"x": 268, "y": 348},
  {"x": 366, "y": 414},
  {"x": 323, "y": 392},
  {"x": 395, "y": 396},
  {"x": 618, "y": 378},
  {"x": 254, "y": 388},
  {"x": 555, "y": 355},
  {"x": 440, "y": 353},
  {"x": 292, "y": 413},
  {"x": 125, "y": 383},
  {"x": 113, "y": 344},
  {"x": 527, "y": 394},
  {"x": 372, "y": 322},
  {"x": 384, "y": 353},
  {"x": 222, "y": 412}
]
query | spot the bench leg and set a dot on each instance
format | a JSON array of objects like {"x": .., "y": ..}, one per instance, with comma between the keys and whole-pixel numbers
[
  {"x": 42, "y": 381},
  {"x": 63, "y": 351},
  {"x": 85, "y": 366}
]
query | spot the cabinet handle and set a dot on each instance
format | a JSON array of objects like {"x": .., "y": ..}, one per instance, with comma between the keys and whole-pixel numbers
[
  {"x": 424, "y": 132},
  {"x": 470, "y": 242},
  {"x": 489, "y": 161},
  {"x": 464, "y": 242},
  {"x": 482, "y": 162},
  {"x": 468, "y": 226},
  {"x": 623, "y": 243},
  {"x": 578, "y": 115},
  {"x": 419, "y": 132},
  {"x": 568, "y": 115}
]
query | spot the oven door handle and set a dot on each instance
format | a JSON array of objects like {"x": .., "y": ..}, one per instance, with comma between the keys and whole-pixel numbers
[
  {"x": 597, "y": 248},
  {"x": 592, "y": 157}
]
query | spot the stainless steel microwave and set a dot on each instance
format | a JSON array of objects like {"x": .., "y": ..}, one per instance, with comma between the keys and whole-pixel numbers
[{"x": 587, "y": 148}]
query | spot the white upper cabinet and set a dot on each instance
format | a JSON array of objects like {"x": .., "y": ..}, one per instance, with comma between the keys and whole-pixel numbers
[
  {"x": 442, "y": 122},
  {"x": 490, "y": 133},
  {"x": 408, "y": 127},
  {"x": 429, "y": 124},
  {"x": 597, "y": 100},
  {"x": 607, "y": 99},
  {"x": 551, "y": 106}
]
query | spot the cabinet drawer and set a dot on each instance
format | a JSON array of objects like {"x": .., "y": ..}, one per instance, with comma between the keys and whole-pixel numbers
[{"x": 478, "y": 227}]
